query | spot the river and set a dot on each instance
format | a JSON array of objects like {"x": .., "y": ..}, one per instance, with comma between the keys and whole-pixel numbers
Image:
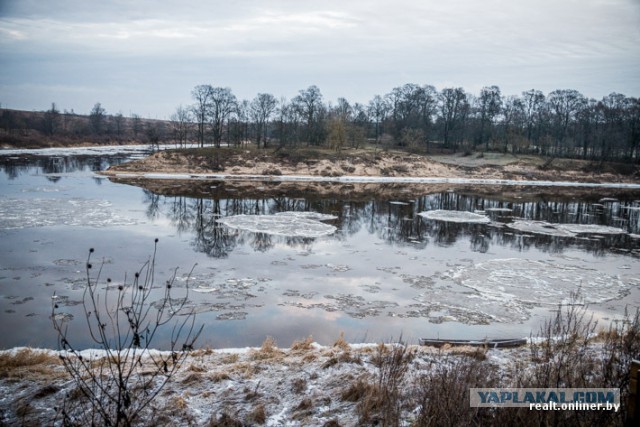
[{"x": 429, "y": 261}]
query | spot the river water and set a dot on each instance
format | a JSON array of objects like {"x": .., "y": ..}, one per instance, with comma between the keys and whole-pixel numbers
[{"x": 376, "y": 264}]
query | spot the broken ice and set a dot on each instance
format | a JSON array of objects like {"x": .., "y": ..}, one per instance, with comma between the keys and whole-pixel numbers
[{"x": 25, "y": 213}]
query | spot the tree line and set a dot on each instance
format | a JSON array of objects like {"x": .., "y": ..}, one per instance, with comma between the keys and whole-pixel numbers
[
  {"x": 26, "y": 128},
  {"x": 561, "y": 123}
]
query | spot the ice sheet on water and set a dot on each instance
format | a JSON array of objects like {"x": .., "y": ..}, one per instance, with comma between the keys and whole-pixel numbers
[
  {"x": 507, "y": 290},
  {"x": 591, "y": 229},
  {"x": 308, "y": 215},
  {"x": 517, "y": 281},
  {"x": 40, "y": 212},
  {"x": 455, "y": 216},
  {"x": 539, "y": 227},
  {"x": 290, "y": 224},
  {"x": 98, "y": 150},
  {"x": 562, "y": 230}
]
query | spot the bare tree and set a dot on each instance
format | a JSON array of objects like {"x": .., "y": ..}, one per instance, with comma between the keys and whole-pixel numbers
[
  {"x": 310, "y": 103},
  {"x": 533, "y": 103},
  {"x": 201, "y": 109},
  {"x": 222, "y": 103},
  {"x": 181, "y": 122},
  {"x": 489, "y": 105},
  {"x": 262, "y": 108},
  {"x": 136, "y": 125},
  {"x": 118, "y": 120},
  {"x": 378, "y": 110},
  {"x": 51, "y": 120},
  {"x": 453, "y": 108},
  {"x": 564, "y": 104},
  {"x": 337, "y": 132},
  {"x": 97, "y": 118}
]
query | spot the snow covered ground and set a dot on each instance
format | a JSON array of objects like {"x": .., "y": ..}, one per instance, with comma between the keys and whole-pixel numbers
[
  {"x": 305, "y": 385},
  {"x": 366, "y": 179}
]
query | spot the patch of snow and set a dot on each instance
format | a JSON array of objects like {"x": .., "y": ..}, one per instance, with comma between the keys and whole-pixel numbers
[{"x": 376, "y": 180}]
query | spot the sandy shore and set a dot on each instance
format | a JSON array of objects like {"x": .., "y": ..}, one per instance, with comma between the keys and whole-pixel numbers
[{"x": 381, "y": 166}]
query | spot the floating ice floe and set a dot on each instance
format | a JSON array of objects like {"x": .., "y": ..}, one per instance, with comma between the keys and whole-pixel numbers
[
  {"x": 26, "y": 213},
  {"x": 521, "y": 282},
  {"x": 591, "y": 229},
  {"x": 289, "y": 224},
  {"x": 507, "y": 290},
  {"x": 562, "y": 230},
  {"x": 455, "y": 216},
  {"x": 98, "y": 150},
  {"x": 539, "y": 227},
  {"x": 308, "y": 215}
]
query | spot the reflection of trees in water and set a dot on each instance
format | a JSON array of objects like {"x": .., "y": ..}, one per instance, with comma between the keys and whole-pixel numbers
[
  {"x": 211, "y": 238},
  {"x": 398, "y": 223},
  {"x": 153, "y": 204},
  {"x": 262, "y": 242},
  {"x": 13, "y": 167},
  {"x": 624, "y": 214}
]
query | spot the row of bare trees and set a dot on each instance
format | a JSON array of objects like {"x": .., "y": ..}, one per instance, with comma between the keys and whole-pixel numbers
[
  {"x": 97, "y": 126},
  {"x": 562, "y": 123}
]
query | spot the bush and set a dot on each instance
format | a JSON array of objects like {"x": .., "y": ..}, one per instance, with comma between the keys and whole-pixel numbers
[{"x": 114, "y": 387}]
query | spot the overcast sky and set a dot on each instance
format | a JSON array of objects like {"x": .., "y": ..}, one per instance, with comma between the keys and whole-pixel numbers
[{"x": 145, "y": 56}]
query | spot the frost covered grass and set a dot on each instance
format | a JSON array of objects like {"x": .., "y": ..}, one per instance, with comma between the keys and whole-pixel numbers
[{"x": 355, "y": 384}]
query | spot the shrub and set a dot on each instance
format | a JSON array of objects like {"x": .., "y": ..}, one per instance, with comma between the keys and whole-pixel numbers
[{"x": 113, "y": 389}]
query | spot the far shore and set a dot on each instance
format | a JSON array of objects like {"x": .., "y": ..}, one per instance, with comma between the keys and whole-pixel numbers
[{"x": 368, "y": 166}]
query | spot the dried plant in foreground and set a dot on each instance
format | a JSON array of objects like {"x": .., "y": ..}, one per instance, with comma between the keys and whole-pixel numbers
[{"x": 114, "y": 386}]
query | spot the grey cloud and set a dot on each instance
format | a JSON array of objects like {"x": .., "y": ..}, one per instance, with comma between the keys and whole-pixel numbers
[{"x": 156, "y": 51}]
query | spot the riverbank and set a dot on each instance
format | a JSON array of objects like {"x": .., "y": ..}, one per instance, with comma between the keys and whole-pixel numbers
[
  {"x": 311, "y": 385},
  {"x": 363, "y": 165}
]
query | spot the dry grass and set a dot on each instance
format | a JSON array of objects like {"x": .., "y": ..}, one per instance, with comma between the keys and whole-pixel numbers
[
  {"x": 477, "y": 353},
  {"x": 268, "y": 350},
  {"x": 230, "y": 358},
  {"x": 192, "y": 378},
  {"x": 303, "y": 346},
  {"x": 257, "y": 416},
  {"x": 26, "y": 363},
  {"x": 224, "y": 420},
  {"x": 342, "y": 343},
  {"x": 196, "y": 368},
  {"x": 298, "y": 385}
]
